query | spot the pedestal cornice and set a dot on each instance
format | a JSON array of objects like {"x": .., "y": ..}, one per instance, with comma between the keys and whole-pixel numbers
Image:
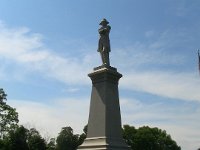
[{"x": 102, "y": 73}]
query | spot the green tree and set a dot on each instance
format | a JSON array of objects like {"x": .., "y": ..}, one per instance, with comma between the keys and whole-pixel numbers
[
  {"x": 35, "y": 141},
  {"x": 21, "y": 138},
  {"x": 3, "y": 144},
  {"x": 52, "y": 144},
  {"x": 16, "y": 139},
  {"x": 129, "y": 135},
  {"x": 8, "y": 115},
  {"x": 146, "y": 138},
  {"x": 66, "y": 140},
  {"x": 83, "y": 136}
]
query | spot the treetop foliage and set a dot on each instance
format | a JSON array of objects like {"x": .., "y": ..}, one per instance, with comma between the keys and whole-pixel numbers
[
  {"x": 146, "y": 138},
  {"x": 8, "y": 115}
]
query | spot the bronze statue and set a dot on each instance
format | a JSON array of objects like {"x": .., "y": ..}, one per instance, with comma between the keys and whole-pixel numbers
[{"x": 104, "y": 42}]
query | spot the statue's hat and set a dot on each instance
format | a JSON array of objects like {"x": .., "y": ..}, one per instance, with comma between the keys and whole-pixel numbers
[{"x": 103, "y": 20}]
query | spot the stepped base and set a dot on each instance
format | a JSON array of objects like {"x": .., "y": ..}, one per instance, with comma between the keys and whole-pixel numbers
[{"x": 103, "y": 143}]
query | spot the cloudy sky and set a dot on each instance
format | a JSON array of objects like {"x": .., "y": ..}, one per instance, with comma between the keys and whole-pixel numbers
[{"x": 47, "y": 48}]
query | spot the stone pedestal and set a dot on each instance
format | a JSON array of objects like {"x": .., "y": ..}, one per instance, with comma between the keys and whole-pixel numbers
[{"x": 104, "y": 125}]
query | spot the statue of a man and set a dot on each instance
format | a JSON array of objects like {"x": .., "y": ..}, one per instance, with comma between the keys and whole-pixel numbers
[{"x": 104, "y": 42}]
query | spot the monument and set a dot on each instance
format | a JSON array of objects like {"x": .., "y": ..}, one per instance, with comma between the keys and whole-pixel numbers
[{"x": 104, "y": 124}]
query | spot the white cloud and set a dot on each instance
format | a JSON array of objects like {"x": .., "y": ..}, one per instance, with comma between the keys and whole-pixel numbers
[
  {"x": 155, "y": 67},
  {"x": 50, "y": 118},
  {"x": 182, "y": 86},
  {"x": 27, "y": 52},
  {"x": 72, "y": 90}
]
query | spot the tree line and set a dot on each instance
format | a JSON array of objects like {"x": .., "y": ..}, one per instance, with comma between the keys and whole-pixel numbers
[{"x": 16, "y": 137}]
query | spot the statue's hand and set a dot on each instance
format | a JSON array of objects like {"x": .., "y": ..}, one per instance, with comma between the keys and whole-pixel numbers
[{"x": 102, "y": 31}]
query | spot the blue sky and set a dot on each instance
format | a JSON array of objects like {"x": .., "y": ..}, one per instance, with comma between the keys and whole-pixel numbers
[{"x": 47, "y": 48}]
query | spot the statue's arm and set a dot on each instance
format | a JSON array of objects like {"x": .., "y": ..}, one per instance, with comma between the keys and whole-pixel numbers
[
  {"x": 102, "y": 30},
  {"x": 105, "y": 29}
]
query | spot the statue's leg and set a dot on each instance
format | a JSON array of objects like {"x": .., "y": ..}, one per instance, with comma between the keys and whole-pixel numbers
[
  {"x": 102, "y": 57},
  {"x": 107, "y": 60},
  {"x": 106, "y": 56}
]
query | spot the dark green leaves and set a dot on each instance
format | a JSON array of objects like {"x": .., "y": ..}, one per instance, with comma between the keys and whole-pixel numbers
[
  {"x": 8, "y": 115},
  {"x": 146, "y": 138}
]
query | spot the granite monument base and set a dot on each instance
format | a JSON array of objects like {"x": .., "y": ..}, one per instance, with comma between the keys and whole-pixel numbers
[
  {"x": 103, "y": 143},
  {"x": 104, "y": 125}
]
